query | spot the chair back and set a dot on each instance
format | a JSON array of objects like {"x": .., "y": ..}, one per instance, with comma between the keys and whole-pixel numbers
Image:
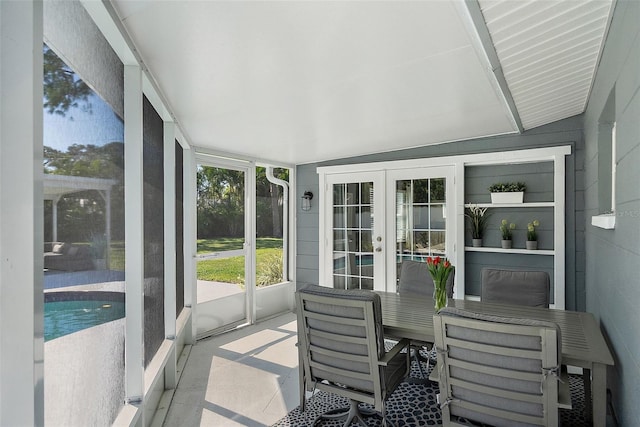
[
  {"x": 341, "y": 337},
  {"x": 495, "y": 370},
  {"x": 416, "y": 279},
  {"x": 530, "y": 288}
]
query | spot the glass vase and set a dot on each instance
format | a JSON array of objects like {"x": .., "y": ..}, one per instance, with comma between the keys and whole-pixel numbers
[{"x": 440, "y": 295}]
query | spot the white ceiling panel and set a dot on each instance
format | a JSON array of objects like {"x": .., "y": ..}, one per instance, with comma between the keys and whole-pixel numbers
[
  {"x": 306, "y": 81},
  {"x": 549, "y": 51}
]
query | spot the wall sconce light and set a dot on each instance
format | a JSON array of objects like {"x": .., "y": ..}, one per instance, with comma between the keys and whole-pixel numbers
[{"x": 306, "y": 200}]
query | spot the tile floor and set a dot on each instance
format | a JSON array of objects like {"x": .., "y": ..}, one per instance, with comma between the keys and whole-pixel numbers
[{"x": 248, "y": 377}]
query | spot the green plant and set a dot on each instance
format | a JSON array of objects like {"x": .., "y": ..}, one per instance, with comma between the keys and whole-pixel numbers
[
  {"x": 532, "y": 235},
  {"x": 478, "y": 218},
  {"x": 269, "y": 270},
  {"x": 507, "y": 187},
  {"x": 507, "y": 229}
]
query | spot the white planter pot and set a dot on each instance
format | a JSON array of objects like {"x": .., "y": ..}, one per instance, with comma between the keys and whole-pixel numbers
[
  {"x": 506, "y": 244},
  {"x": 531, "y": 245},
  {"x": 507, "y": 197},
  {"x": 477, "y": 243}
]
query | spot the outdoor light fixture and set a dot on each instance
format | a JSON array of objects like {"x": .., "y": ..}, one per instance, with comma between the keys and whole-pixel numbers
[{"x": 306, "y": 200}]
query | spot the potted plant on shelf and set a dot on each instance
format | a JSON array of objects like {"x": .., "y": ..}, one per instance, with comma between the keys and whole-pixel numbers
[
  {"x": 478, "y": 218},
  {"x": 507, "y": 233},
  {"x": 532, "y": 236},
  {"x": 507, "y": 192}
]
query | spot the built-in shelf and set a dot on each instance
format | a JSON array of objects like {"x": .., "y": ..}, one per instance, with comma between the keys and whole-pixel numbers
[
  {"x": 512, "y": 205},
  {"x": 510, "y": 251}
]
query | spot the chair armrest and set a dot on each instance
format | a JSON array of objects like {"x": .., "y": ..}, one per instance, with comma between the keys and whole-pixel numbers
[
  {"x": 402, "y": 344},
  {"x": 435, "y": 374}
]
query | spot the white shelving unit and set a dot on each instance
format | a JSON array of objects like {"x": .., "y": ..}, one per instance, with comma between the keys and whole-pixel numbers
[
  {"x": 510, "y": 251},
  {"x": 512, "y": 205},
  {"x": 555, "y": 155}
]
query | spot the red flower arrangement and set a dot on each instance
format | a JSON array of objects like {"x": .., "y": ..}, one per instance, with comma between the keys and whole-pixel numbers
[{"x": 440, "y": 269}]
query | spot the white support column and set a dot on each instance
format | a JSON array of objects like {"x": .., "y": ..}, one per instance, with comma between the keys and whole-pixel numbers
[
  {"x": 54, "y": 219},
  {"x": 189, "y": 237},
  {"x": 169, "y": 167},
  {"x": 250, "y": 242},
  {"x": 21, "y": 215},
  {"x": 559, "y": 285},
  {"x": 107, "y": 231},
  {"x": 134, "y": 237},
  {"x": 459, "y": 290}
]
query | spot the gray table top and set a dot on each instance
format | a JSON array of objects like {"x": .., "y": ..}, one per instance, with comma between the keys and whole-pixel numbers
[{"x": 582, "y": 341}]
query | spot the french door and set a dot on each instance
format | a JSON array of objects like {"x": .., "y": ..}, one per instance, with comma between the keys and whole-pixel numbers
[{"x": 372, "y": 221}]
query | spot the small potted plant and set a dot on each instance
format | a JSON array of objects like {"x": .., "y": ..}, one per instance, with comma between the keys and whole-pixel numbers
[
  {"x": 478, "y": 219},
  {"x": 507, "y": 233},
  {"x": 507, "y": 192},
  {"x": 532, "y": 235}
]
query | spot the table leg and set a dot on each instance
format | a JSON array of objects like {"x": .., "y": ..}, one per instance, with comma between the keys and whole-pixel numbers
[{"x": 599, "y": 394}]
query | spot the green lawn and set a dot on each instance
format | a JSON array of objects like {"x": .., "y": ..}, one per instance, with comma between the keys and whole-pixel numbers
[
  {"x": 228, "y": 270},
  {"x": 231, "y": 270}
]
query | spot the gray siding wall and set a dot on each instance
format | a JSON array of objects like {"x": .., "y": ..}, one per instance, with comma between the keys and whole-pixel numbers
[
  {"x": 612, "y": 284},
  {"x": 565, "y": 132}
]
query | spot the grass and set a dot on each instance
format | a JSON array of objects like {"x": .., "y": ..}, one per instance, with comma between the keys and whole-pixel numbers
[
  {"x": 231, "y": 270},
  {"x": 227, "y": 270},
  {"x": 221, "y": 244}
]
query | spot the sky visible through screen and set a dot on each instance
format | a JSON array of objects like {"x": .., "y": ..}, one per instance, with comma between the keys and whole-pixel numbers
[{"x": 98, "y": 127}]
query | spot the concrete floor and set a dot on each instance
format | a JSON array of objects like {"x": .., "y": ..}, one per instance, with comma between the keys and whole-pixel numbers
[{"x": 247, "y": 377}]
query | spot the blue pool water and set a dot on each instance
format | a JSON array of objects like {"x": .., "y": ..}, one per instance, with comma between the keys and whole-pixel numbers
[{"x": 66, "y": 317}]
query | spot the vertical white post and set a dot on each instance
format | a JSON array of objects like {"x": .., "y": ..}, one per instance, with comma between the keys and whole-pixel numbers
[
  {"x": 614, "y": 166},
  {"x": 559, "y": 232},
  {"x": 170, "y": 249},
  {"x": 250, "y": 241},
  {"x": 54, "y": 219},
  {"x": 107, "y": 230},
  {"x": 459, "y": 253},
  {"x": 189, "y": 237},
  {"x": 134, "y": 236},
  {"x": 21, "y": 215}
]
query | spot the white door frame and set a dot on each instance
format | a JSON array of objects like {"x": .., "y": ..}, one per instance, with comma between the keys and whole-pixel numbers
[
  {"x": 447, "y": 172},
  {"x": 326, "y": 223},
  {"x": 384, "y": 184},
  {"x": 248, "y": 250}
]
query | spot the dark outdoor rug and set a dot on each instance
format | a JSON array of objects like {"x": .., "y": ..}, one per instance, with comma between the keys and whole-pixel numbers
[{"x": 415, "y": 405}]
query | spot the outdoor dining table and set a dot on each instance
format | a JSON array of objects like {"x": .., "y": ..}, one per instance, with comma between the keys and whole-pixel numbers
[{"x": 583, "y": 344}]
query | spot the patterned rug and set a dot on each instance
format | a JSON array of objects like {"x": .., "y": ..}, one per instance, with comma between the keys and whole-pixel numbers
[{"x": 414, "y": 405}]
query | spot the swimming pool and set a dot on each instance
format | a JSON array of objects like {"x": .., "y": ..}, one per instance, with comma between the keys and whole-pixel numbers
[{"x": 64, "y": 314}]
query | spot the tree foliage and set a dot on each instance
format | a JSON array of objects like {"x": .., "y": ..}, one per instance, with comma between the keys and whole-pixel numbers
[
  {"x": 82, "y": 214},
  {"x": 220, "y": 203},
  {"x": 63, "y": 89}
]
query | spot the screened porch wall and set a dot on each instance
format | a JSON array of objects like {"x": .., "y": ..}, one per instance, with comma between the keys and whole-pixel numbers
[{"x": 564, "y": 132}]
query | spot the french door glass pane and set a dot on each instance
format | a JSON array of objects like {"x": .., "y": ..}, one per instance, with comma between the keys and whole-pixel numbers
[
  {"x": 420, "y": 218},
  {"x": 352, "y": 235}
]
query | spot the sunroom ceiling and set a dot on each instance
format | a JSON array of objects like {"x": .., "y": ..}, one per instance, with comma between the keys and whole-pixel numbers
[
  {"x": 306, "y": 81},
  {"x": 549, "y": 52}
]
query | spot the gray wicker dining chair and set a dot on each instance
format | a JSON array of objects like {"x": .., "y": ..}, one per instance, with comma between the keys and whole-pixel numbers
[
  {"x": 530, "y": 288},
  {"x": 499, "y": 371},
  {"x": 415, "y": 279},
  {"x": 341, "y": 343}
]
